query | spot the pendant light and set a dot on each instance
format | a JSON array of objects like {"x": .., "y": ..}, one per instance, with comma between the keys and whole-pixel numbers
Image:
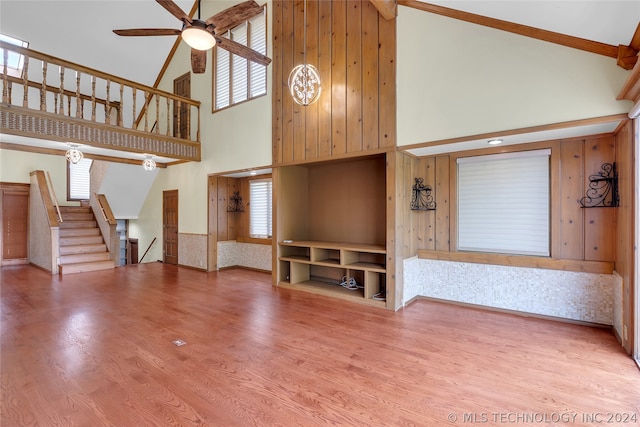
[
  {"x": 73, "y": 154},
  {"x": 304, "y": 79},
  {"x": 148, "y": 163}
]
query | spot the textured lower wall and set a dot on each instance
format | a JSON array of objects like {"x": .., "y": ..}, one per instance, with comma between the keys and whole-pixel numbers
[
  {"x": 192, "y": 250},
  {"x": 570, "y": 295},
  {"x": 251, "y": 255}
]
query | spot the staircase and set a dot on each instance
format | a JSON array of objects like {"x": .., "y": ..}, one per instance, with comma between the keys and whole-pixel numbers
[{"x": 82, "y": 248}]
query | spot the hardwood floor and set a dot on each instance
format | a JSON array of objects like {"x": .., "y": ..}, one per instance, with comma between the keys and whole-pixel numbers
[{"x": 95, "y": 349}]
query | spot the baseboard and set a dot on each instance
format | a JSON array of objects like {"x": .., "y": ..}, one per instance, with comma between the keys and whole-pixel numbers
[
  {"x": 515, "y": 312},
  {"x": 259, "y": 270},
  {"x": 192, "y": 268}
]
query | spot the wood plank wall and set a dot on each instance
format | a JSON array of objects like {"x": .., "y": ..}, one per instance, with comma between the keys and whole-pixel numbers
[
  {"x": 626, "y": 228},
  {"x": 227, "y": 221},
  {"x": 354, "y": 50},
  {"x": 576, "y": 233}
]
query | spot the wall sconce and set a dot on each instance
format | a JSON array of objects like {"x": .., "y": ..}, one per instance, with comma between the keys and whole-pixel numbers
[
  {"x": 148, "y": 163},
  {"x": 73, "y": 154},
  {"x": 603, "y": 188},
  {"x": 235, "y": 203},
  {"x": 421, "y": 199}
]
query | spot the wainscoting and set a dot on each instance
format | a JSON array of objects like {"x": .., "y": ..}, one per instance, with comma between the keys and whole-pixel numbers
[
  {"x": 585, "y": 297},
  {"x": 232, "y": 253}
]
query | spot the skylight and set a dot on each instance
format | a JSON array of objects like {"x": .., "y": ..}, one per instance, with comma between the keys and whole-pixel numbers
[{"x": 15, "y": 61}]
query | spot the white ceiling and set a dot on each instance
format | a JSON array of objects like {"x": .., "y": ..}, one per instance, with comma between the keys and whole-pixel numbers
[{"x": 80, "y": 30}]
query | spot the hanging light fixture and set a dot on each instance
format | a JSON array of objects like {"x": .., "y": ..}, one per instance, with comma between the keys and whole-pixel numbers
[
  {"x": 198, "y": 34},
  {"x": 304, "y": 79},
  {"x": 148, "y": 163},
  {"x": 73, "y": 154}
]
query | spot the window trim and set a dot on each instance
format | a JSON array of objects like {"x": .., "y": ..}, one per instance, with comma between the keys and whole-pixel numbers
[
  {"x": 214, "y": 66},
  {"x": 542, "y": 158},
  {"x": 261, "y": 178},
  {"x": 554, "y": 195}
]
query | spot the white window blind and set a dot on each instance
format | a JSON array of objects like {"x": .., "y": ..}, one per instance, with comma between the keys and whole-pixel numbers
[
  {"x": 236, "y": 79},
  {"x": 260, "y": 195},
  {"x": 503, "y": 203},
  {"x": 79, "y": 180}
]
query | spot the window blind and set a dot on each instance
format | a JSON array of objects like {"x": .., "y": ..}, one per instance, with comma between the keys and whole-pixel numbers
[
  {"x": 79, "y": 180},
  {"x": 503, "y": 203},
  {"x": 236, "y": 79},
  {"x": 260, "y": 195}
]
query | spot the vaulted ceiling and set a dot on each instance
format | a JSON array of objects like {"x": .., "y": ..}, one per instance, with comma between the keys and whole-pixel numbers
[{"x": 81, "y": 31}]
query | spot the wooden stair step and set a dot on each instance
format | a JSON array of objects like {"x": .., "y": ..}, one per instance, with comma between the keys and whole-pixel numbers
[
  {"x": 79, "y": 209},
  {"x": 82, "y": 249},
  {"x": 78, "y": 224},
  {"x": 80, "y": 240},
  {"x": 83, "y": 267},
  {"x": 77, "y": 232},
  {"x": 84, "y": 257},
  {"x": 77, "y": 216}
]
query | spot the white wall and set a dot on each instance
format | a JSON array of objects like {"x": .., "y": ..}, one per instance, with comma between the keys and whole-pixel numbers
[
  {"x": 15, "y": 166},
  {"x": 459, "y": 79}
]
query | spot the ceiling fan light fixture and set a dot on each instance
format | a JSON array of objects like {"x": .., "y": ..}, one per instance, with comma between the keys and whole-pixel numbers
[
  {"x": 197, "y": 36},
  {"x": 148, "y": 163},
  {"x": 73, "y": 155}
]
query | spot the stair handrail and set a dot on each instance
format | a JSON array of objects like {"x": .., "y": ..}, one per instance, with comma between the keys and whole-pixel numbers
[
  {"x": 45, "y": 195},
  {"x": 105, "y": 209},
  {"x": 145, "y": 252},
  {"x": 54, "y": 198}
]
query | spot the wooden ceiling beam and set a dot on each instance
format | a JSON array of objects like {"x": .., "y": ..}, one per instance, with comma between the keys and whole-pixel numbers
[
  {"x": 523, "y": 30},
  {"x": 386, "y": 8}
]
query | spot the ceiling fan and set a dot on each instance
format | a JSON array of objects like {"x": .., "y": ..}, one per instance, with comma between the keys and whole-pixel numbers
[{"x": 203, "y": 35}]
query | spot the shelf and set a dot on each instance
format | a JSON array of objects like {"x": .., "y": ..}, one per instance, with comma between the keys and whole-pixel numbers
[
  {"x": 320, "y": 287},
  {"x": 318, "y": 267}
]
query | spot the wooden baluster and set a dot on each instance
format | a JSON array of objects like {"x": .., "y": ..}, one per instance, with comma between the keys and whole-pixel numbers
[
  {"x": 157, "y": 114},
  {"x": 146, "y": 112},
  {"x": 93, "y": 98},
  {"x": 78, "y": 99},
  {"x": 133, "y": 121},
  {"x": 55, "y": 102},
  {"x": 168, "y": 114},
  {"x": 61, "y": 90},
  {"x": 106, "y": 104},
  {"x": 43, "y": 89},
  {"x": 5, "y": 77},
  {"x": 188, "y": 125},
  {"x": 177, "y": 123},
  {"x": 120, "y": 123},
  {"x": 25, "y": 83},
  {"x": 69, "y": 106}
]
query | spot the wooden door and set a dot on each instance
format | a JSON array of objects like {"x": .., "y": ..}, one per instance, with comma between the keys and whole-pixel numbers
[
  {"x": 14, "y": 213},
  {"x": 170, "y": 226},
  {"x": 181, "y": 122}
]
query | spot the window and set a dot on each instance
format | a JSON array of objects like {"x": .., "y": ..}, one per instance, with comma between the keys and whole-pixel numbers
[
  {"x": 260, "y": 195},
  {"x": 15, "y": 62},
  {"x": 503, "y": 203},
  {"x": 78, "y": 180},
  {"x": 236, "y": 79}
]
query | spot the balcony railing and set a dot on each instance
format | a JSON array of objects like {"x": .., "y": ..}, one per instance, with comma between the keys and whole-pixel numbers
[{"x": 50, "y": 98}]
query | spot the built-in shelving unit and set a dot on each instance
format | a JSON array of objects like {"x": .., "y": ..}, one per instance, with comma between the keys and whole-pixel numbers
[{"x": 320, "y": 267}]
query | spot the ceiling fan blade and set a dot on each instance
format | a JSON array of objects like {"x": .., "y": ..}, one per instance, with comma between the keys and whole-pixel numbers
[
  {"x": 234, "y": 16},
  {"x": 242, "y": 50},
  {"x": 198, "y": 61},
  {"x": 148, "y": 32},
  {"x": 175, "y": 10}
]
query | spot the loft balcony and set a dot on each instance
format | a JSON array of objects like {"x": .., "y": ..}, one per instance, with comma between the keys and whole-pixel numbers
[{"x": 48, "y": 102}]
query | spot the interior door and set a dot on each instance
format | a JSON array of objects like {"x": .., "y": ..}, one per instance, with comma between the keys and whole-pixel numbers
[
  {"x": 182, "y": 87},
  {"x": 170, "y": 227},
  {"x": 14, "y": 214}
]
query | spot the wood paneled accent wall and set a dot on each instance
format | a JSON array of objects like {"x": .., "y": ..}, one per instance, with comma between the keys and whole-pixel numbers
[
  {"x": 227, "y": 222},
  {"x": 354, "y": 50},
  {"x": 576, "y": 233},
  {"x": 625, "y": 244}
]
